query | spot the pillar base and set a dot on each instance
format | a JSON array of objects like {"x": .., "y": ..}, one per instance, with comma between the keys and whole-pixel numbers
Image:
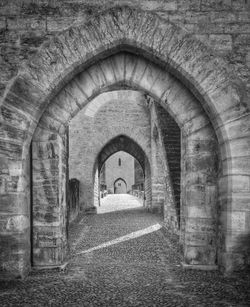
[
  {"x": 202, "y": 267},
  {"x": 90, "y": 210},
  {"x": 58, "y": 267}
]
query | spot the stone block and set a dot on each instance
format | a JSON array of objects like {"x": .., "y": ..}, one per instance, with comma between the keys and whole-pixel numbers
[
  {"x": 236, "y": 166},
  {"x": 11, "y": 149},
  {"x": 46, "y": 170},
  {"x": 200, "y": 239},
  {"x": 108, "y": 72},
  {"x": 195, "y": 147},
  {"x": 33, "y": 23},
  {"x": 138, "y": 72},
  {"x": 200, "y": 255},
  {"x": 15, "y": 203},
  {"x": 59, "y": 113},
  {"x": 220, "y": 42},
  {"x": 73, "y": 98},
  {"x": 188, "y": 5},
  {"x": 169, "y": 5},
  {"x": 202, "y": 163},
  {"x": 237, "y": 183},
  {"x": 49, "y": 256},
  {"x": 14, "y": 117},
  {"x": 45, "y": 150},
  {"x": 214, "y": 5},
  {"x": 198, "y": 212},
  {"x": 237, "y": 201},
  {"x": 58, "y": 24},
  {"x": 200, "y": 225}
]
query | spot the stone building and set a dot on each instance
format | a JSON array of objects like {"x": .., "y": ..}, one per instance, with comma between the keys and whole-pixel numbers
[{"x": 190, "y": 61}]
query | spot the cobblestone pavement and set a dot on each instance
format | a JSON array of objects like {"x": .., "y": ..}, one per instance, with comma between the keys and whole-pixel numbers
[{"x": 129, "y": 262}]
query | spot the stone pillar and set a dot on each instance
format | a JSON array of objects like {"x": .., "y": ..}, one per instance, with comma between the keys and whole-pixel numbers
[
  {"x": 199, "y": 200},
  {"x": 235, "y": 207},
  {"x": 14, "y": 218},
  {"x": 49, "y": 199}
]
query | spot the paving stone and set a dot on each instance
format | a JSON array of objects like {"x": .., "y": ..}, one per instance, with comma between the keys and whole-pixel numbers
[{"x": 142, "y": 271}]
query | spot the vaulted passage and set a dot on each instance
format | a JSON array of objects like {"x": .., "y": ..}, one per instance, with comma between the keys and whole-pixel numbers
[{"x": 126, "y": 80}]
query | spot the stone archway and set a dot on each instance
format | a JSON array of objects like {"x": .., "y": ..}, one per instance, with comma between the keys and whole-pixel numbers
[
  {"x": 128, "y": 145},
  {"x": 70, "y": 52}
]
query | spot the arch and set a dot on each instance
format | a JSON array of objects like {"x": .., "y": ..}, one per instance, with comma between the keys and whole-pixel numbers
[
  {"x": 130, "y": 146},
  {"x": 122, "y": 143},
  {"x": 120, "y": 179},
  {"x": 208, "y": 77}
]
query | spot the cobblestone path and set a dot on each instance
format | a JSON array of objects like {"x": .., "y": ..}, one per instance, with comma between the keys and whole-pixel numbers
[{"x": 124, "y": 258}]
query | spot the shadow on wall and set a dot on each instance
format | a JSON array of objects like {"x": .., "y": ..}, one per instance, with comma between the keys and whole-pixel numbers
[
  {"x": 243, "y": 246},
  {"x": 73, "y": 199}
]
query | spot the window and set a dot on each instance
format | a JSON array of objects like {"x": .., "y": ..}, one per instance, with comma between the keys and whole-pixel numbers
[{"x": 119, "y": 162}]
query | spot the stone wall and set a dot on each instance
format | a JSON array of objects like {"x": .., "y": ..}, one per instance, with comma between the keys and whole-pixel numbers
[
  {"x": 49, "y": 208},
  {"x": 162, "y": 179},
  {"x": 222, "y": 25},
  {"x": 171, "y": 138}
]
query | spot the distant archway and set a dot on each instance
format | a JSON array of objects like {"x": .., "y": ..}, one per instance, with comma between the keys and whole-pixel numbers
[
  {"x": 128, "y": 145},
  {"x": 120, "y": 186}
]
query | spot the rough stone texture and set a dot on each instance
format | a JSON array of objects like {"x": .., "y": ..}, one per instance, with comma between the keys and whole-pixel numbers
[{"x": 220, "y": 85}]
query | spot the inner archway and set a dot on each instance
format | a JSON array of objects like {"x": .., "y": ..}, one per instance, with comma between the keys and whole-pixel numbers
[{"x": 124, "y": 144}]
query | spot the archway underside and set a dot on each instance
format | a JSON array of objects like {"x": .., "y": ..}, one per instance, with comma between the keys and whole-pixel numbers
[{"x": 206, "y": 76}]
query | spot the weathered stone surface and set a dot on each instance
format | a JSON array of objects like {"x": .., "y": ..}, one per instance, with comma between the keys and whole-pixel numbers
[{"x": 223, "y": 97}]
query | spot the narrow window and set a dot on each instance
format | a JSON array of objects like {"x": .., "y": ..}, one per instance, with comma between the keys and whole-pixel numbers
[{"x": 119, "y": 162}]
